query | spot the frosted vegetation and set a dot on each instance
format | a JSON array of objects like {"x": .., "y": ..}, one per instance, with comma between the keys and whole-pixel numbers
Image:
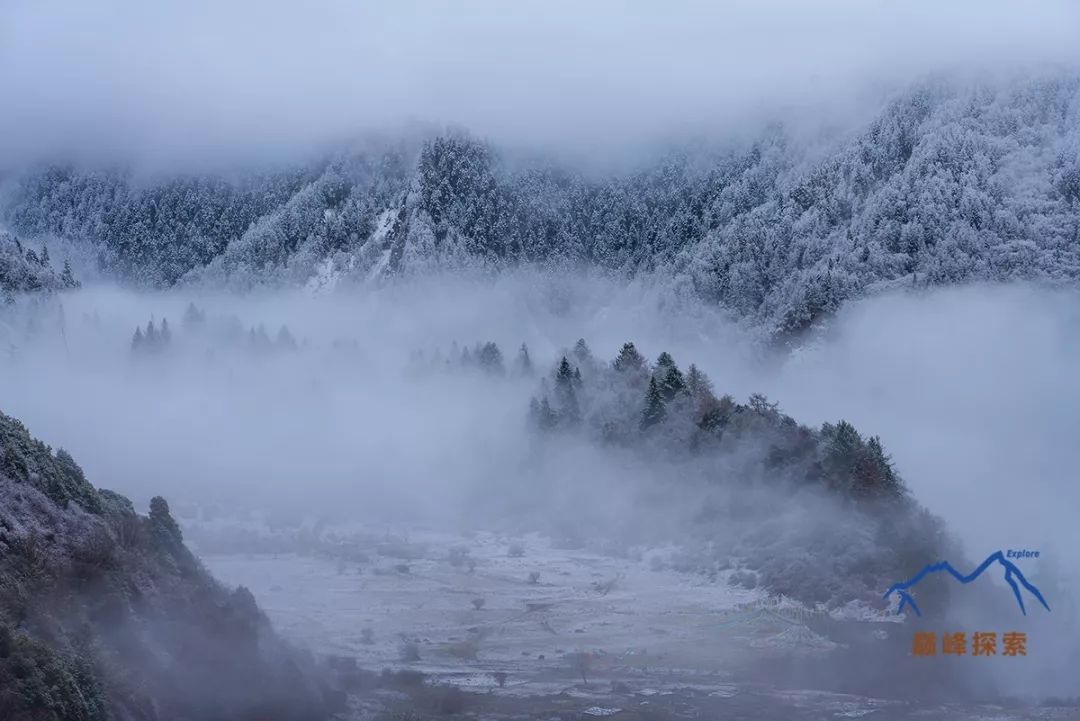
[{"x": 946, "y": 183}]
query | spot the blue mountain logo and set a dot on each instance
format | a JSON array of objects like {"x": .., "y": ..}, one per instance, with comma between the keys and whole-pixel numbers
[{"x": 1013, "y": 576}]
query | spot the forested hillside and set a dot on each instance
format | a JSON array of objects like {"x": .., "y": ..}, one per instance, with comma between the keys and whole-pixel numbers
[
  {"x": 947, "y": 183},
  {"x": 816, "y": 514},
  {"x": 105, "y": 613}
]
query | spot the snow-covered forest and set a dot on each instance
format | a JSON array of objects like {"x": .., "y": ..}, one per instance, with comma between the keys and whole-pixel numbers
[{"x": 949, "y": 182}]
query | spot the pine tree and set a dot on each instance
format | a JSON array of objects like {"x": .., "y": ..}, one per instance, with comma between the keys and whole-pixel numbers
[
  {"x": 541, "y": 415},
  {"x": 582, "y": 352},
  {"x": 285, "y": 340},
  {"x": 259, "y": 339},
  {"x": 655, "y": 410},
  {"x": 150, "y": 339},
  {"x": 629, "y": 360},
  {"x": 548, "y": 417},
  {"x": 68, "y": 278},
  {"x": 669, "y": 377},
  {"x": 564, "y": 374},
  {"x": 565, "y": 393},
  {"x": 193, "y": 317},
  {"x": 888, "y": 481},
  {"x": 490, "y": 360},
  {"x": 137, "y": 340},
  {"x": 166, "y": 334},
  {"x": 523, "y": 363},
  {"x": 698, "y": 384},
  {"x": 45, "y": 255}
]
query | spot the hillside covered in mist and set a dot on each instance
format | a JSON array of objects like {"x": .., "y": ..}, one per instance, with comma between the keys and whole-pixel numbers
[
  {"x": 948, "y": 183},
  {"x": 105, "y": 613}
]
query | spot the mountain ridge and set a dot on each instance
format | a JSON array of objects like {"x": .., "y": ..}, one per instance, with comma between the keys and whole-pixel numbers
[{"x": 948, "y": 183}]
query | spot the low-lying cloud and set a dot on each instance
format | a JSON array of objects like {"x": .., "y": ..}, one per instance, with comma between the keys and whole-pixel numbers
[{"x": 972, "y": 391}]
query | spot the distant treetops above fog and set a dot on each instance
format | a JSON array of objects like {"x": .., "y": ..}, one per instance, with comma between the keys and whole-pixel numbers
[
  {"x": 156, "y": 337},
  {"x": 948, "y": 183},
  {"x": 631, "y": 402}
]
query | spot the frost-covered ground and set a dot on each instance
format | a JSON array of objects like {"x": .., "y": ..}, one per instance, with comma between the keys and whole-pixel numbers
[
  {"x": 538, "y": 605},
  {"x": 533, "y": 630}
]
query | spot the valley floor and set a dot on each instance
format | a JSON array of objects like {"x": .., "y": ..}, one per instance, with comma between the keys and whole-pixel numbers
[{"x": 529, "y": 630}]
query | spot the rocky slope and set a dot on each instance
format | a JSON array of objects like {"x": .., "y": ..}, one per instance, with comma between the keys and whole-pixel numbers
[{"x": 105, "y": 614}]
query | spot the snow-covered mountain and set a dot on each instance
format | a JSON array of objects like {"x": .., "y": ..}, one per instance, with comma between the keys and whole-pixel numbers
[{"x": 949, "y": 182}]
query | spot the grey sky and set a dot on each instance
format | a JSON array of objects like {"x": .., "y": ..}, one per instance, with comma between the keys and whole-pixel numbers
[{"x": 223, "y": 80}]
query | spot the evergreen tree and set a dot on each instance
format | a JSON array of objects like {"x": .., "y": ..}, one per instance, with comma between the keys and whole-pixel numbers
[
  {"x": 137, "y": 340},
  {"x": 193, "y": 317},
  {"x": 565, "y": 393},
  {"x": 165, "y": 334},
  {"x": 489, "y": 359},
  {"x": 698, "y": 384},
  {"x": 655, "y": 410},
  {"x": 163, "y": 528},
  {"x": 548, "y": 417},
  {"x": 150, "y": 338},
  {"x": 564, "y": 374},
  {"x": 581, "y": 351},
  {"x": 259, "y": 339},
  {"x": 285, "y": 340},
  {"x": 889, "y": 483},
  {"x": 541, "y": 415},
  {"x": 669, "y": 377},
  {"x": 844, "y": 449},
  {"x": 45, "y": 255},
  {"x": 523, "y": 365},
  {"x": 629, "y": 360},
  {"x": 68, "y": 278}
]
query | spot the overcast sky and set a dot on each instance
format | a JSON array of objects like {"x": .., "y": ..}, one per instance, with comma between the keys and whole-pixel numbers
[{"x": 222, "y": 79}]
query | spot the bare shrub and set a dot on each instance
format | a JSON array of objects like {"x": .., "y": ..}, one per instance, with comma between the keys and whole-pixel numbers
[
  {"x": 581, "y": 662},
  {"x": 95, "y": 553},
  {"x": 606, "y": 587},
  {"x": 32, "y": 550}
]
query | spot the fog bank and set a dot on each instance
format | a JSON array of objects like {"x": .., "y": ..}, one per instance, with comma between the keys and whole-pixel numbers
[{"x": 972, "y": 391}]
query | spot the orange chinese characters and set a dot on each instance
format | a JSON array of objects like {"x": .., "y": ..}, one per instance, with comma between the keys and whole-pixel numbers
[
  {"x": 1015, "y": 644},
  {"x": 984, "y": 643},
  {"x": 954, "y": 643},
  {"x": 924, "y": 643}
]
